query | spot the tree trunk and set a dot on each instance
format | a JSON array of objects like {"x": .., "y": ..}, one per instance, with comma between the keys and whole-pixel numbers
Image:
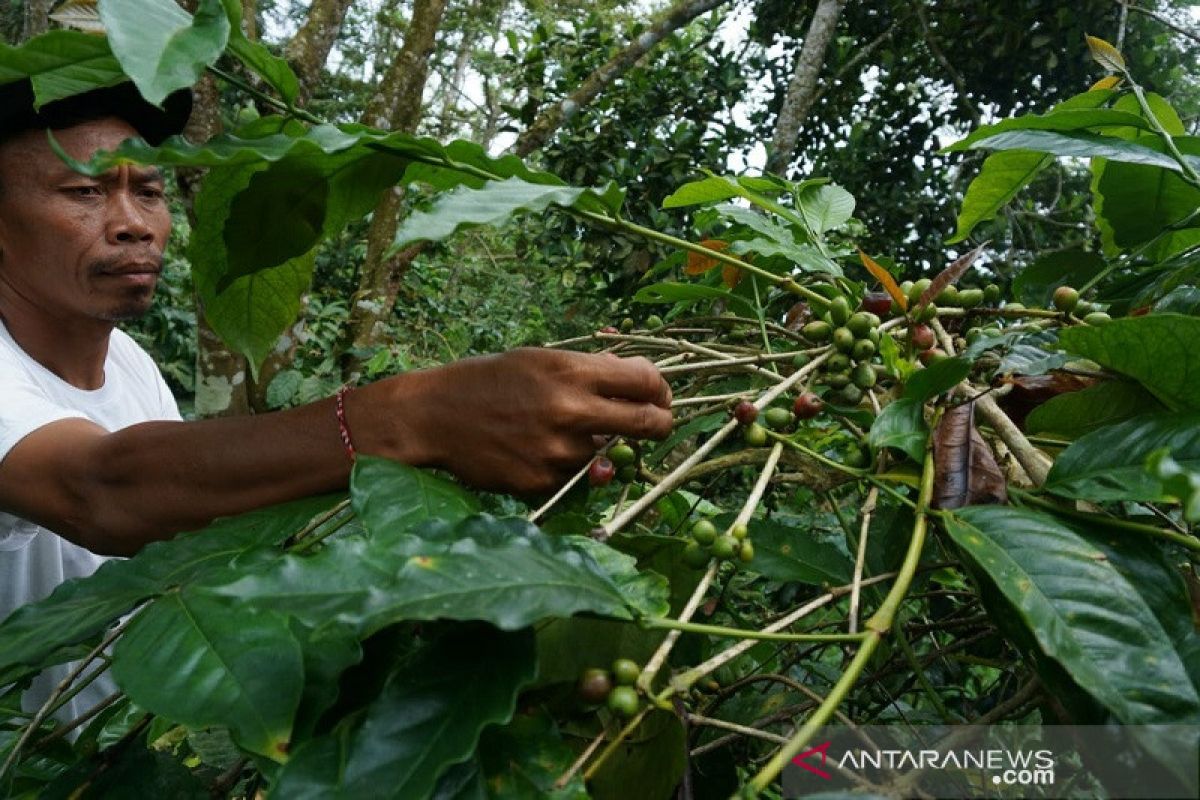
[
  {"x": 454, "y": 86},
  {"x": 309, "y": 48},
  {"x": 396, "y": 105},
  {"x": 552, "y": 118},
  {"x": 803, "y": 88},
  {"x": 221, "y": 389},
  {"x": 36, "y": 18}
]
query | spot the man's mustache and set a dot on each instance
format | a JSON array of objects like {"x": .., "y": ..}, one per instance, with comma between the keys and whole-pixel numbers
[{"x": 124, "y": 263}]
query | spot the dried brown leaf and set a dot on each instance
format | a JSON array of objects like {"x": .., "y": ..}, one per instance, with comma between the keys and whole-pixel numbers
[
  {"x": 965, "y": 470},
  {"x": 950, "y": 275},
  {"x": 885, "y": 279}
]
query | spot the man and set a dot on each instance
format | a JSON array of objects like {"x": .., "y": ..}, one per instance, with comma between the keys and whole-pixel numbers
[{"x": 94, "y": 459}]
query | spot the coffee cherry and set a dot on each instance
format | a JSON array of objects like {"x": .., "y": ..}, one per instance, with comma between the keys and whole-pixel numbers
[
  {"x": 947, "y": 297},
  {"x": 970, "y": 298},
  {"x": 852, "y": 395},
  {"x": 991, "y": 294},
  {"x": 807, "y": 406},
  {"x": 860, "y": 324},
  {"x": 623, "y": 701},
  {"x": 838, "y": 380},
  {"x": 739, "y": 531},
  {"x": 838, "y": 362},
  {"x": 931, "y": 356},
  {"x": 800, "y": 360},
  {"x": 916, "y": 290},
  {"x": 627, "y": 473},
  {"x": 601, "y": 471},
  {"x": 863, "y": 349},
  {"x": 877, "y": 302},
  {"x": 609, "y": 329},
  {"x": 704, "y": 532},
  {"x": 695, "y": 556},
  {"x": 843, "y": 339},
  {"x": 863, "y": 376},
  {"x": 778, "y": 418},
  {"x": 817, "y": 331},
  {"x": 1097, "y": 318},
  {"x": 755, "y": 435},
  {"x": 627, "y": 324},
  {"x": 725, "y": 547},
  {"x": 839, "y": 310},
  {"x": 856, "y": 458},
  {"x": 1014, "y": 306},
  {"x": 625, "y": 672},
  {"x": 927, "y": 313},
  {"x": 745, "y": 412},
  {"x": 922, "y": 337},
  {"x": 654, "y": 321},
  {"x": 1066, "y": 299},
  {"x": 594, "y": 686},
  {"x": 746, "y": 553},
  {"x": 622, "y": 454}
]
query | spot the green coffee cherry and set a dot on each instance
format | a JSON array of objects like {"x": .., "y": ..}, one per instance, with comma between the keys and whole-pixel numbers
[
  {"x": 778, "y": 418},
  {"x": 916, "y": 290},
  {"x": 654, "y": 321},
  {"x": 1066, "y": 299},
  {"x": 947, "y": 297},
  {"x": 852, "y": 395},
  {"x": 725, "y": 547},
  {"x": 838, "y": 380},
  {"x": 863, "y": 349},
  {"x": 625, "y": 671},
  {"x": 622, "y": 454},
  {"x": 739, "y": 531},
  {"x": 755, "y": 435},
  {"x": 970, "y": 298},
  {"x": 991, "y": 294},
  {"x": 927, "y": 313},
  {"x": 623, "y": 701},
  {"x": 843, "y": 340},
  {"x": 1097, "y": 318},
  {"x": 863, "y": 376},
  {"x": 746, "y": 552},
  {"x": 800, "y": 360},
  {"x": 704, "y": 532},
  {"x": 817, "y": 331},
  {"x": 838, "y": 362},
  {"x": 839, "y": 310},
  {"x": 695, "y": 556},
  {"x": 860, "y": 324}
]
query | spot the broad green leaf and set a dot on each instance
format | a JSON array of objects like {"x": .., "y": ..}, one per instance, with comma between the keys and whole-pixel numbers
[
  {"x": 1089, "y": 145},
  {"x": 130, "y": 773},
  {"x": 388, "y": 495},
  {"x": 804, "y": 256},
  {"x": 1178, "y": 481},
  {"x": 505, "y": 572},
  {"x": 160, "y": 46},
  {"x": 653, "y": 761},
  {"x": 1061, "y": 120},
  {"x": 938, "y": 377},
  {"x": 901, "y": 425},
  {"x": 1134, "y": 203},
  {"x": 707, "y": 190},
  {"x": 1110, "y": 463},
  {"x": 1034, "y": 286},
  {"x": 1157, "y": 350},
  {"x": 687, "y": 294},
  {"x": 35, "y": 634},
  {"x": 203, "y": 662},
  {"x": 1075, "y": 413},
  {"x": 494, "y": 204},
  {"x": 1025, "y": 358},
  {"x": 825, "y": 207},
  {"x": 760, "y": 223},
  {"x": 61, "y": 64},
  {"x": 429, "y": 716},
  {"x": 643, "y": 591},
  {"x": 326, "y": 656},
  {"x": 524, "y": 759},
  {"x": 787, "y": 553},
  {"x": 1000, "y": 178},
  {"x": 1082, "y": 611},
  {"x": 258, "y": 58}
]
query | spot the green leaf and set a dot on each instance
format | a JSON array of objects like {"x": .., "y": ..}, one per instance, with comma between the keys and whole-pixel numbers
[
  {"x": 1075, "y": 413},
  {"x": 687, "y": 294},
  {"x": 494, "y": 204},
  {"x": 429, "y": 716},
  {"x": 196, "y": 660},
  {"x": 1082, "y": 611},
  {"x": 258, "y": 58},
  {"x": 61, "y": 64},
  {"x": 1110, "y": 463},
  {"x": 787, "y": 553},
  {"x": 1063, "y": 120},
  {"x": 901, "y": 425},
  {"x": 1089, "y": 145},
  {"x": 1001, "y": 177},
  {"x": 1178, "y": 481},
  {"x": 1157, "y": 350},
  {"x": 160, "y": 46},
  {"x": 524, "y": 759},
  {"x": 1135, "y": 203},
  {"x": 391, "y": 496},
  {"x": 130, "y": 773},
  {"x": 502, "y": 571},
  {"x": 825, "y": 207},
  {"x": 708, "y": 190},
  {"x": 936, "y": 378},
  {"x": 804, "y": 256},
  {"x": 36, "y": 634},
  {"x": 1034, "y": 286}
]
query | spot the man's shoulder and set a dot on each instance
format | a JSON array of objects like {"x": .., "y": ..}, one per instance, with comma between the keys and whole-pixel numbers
[{"x": 124, "y": 349}]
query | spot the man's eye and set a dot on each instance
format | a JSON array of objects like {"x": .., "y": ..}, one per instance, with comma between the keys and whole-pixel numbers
[
  {"x": 84, "y": 191},
  {"x": 151, "y": 193}
]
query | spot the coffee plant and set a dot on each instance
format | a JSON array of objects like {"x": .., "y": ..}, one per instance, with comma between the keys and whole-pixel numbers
[{"x": 934, "y": 502}]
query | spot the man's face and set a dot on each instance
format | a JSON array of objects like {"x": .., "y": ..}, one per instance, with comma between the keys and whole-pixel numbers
[{"x": 76, "y": 247}]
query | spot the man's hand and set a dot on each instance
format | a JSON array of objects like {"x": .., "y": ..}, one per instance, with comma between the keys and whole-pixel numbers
[{"x": 522, "y": 421}]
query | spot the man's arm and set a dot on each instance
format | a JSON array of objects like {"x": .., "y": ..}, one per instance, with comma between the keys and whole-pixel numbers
[{"x": 521, "y": 422}]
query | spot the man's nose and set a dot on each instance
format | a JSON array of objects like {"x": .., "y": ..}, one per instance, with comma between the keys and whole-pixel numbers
[{"x": 128, "y": 222}]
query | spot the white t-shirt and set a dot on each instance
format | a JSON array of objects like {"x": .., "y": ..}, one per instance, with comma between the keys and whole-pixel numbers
[{"x": 33, "y": 560}]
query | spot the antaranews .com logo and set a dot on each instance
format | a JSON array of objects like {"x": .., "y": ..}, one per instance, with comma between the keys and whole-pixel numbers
[{"x": 1001, "y": 761}]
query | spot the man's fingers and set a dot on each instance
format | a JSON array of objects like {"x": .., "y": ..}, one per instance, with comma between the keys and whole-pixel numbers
[
  {"x": 636, "y": 420},
  {"x": 631, "y": 379}
]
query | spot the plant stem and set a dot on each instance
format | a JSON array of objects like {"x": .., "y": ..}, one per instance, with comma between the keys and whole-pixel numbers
[{"x": 739, "y": 633}]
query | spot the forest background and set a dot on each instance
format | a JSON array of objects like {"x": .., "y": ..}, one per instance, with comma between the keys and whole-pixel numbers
[{"x": 646, "y": 95}]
